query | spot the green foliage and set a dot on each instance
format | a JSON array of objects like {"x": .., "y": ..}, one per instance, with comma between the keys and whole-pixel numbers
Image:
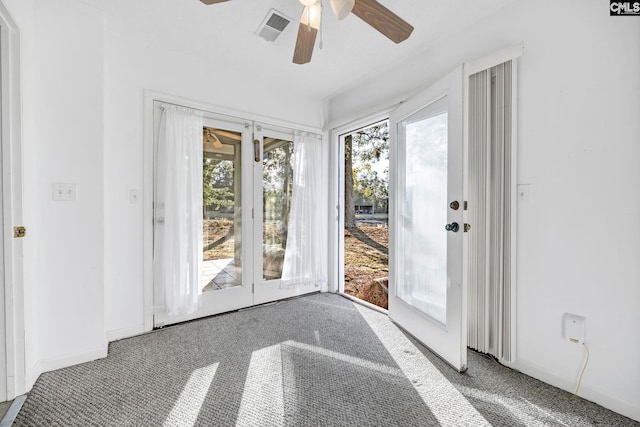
[
  {"x": 277, "y": 180},
  {"x": 372, "y": 144},
  {"x": 369, "y": 146},
  {"x": 217, "y": 183}
]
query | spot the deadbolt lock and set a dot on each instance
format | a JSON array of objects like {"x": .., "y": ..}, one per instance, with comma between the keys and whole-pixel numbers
[
  {"x": 19, "y": 232},
  {"x": 454, "y": 205}
]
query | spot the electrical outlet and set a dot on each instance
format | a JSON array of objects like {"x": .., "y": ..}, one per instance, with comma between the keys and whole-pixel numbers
[{"x": 574, "y": 328}]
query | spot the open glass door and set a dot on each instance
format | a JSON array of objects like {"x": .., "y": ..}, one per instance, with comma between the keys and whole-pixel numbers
[
  {"x": 226, "y": 282},
  {"x": 426, "y": 252}
]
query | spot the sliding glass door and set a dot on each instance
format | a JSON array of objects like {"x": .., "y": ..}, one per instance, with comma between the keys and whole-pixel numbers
[{"x": 426, "y": 289}]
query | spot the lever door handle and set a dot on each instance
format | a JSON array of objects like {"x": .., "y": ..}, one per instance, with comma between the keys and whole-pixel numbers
[
  {"x": 256, "y": 150},
  {"x": 452, "y": 227}
]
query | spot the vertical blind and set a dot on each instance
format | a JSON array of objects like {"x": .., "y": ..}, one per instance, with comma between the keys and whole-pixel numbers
[{"x": 491, "y": 198}]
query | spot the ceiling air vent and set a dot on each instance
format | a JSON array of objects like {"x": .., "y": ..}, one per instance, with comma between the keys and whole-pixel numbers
[{"x": 274, "y": 23}]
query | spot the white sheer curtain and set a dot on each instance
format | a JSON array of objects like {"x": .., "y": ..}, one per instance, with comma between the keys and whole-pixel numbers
[
  {"x": 178, "y": 210},
  {"x": 305, "y": 258}
]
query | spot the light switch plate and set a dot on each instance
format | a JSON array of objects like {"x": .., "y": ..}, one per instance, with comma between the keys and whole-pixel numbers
[
  {"x": 134, "y": 195},
  {"x": 524, "y": 193},
  {"x": 65, "y": 192}
]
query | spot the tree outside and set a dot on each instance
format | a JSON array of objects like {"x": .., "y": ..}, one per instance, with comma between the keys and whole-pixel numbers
[
  {"x": 366, "y": 213},
  {"x": 218, "y": 203}
]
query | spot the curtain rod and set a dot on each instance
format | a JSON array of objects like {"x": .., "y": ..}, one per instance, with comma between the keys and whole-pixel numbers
[{"x": 264, "y": 122}]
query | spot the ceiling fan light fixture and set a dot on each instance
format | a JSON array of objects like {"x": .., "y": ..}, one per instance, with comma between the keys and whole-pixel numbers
[
  {"x": 307, "y": 2},
  {"x": 216, "y": 142},
  {"x": 211, "y": 141},
  {"x": 311, "y": 15},
  {"x": 341, "y": 8}
]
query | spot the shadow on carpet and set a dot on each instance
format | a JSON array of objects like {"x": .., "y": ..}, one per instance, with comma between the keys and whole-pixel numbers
[{"x": 319, "y": 360}]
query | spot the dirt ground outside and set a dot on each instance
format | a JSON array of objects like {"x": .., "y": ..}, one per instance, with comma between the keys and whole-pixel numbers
[
  {"x": 365, "y": 256},
  {"x": 366, "y": 262},
  {"x": 219, "y": 243},
  {"x": 218, "y": 239}
]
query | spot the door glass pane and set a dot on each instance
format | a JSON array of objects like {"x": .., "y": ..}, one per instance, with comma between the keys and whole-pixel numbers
[
  {"x": 222, "y": 226},
  {"x": 277, "y": 181},
  {"x": 423, "y": 211}
]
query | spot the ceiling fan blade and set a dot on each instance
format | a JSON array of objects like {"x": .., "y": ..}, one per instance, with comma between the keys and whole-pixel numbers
[
  {"x": 383, "y": 20},
  {"x": 304, "y": 44},
  {"x": 212, "y": 1}
]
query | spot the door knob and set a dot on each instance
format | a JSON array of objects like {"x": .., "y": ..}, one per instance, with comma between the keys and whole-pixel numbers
[{"x": 452, "y": 227}]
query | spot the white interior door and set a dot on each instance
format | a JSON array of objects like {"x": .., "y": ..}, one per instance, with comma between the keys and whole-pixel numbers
[
  {"x": 427, "y": 289},
  {"x": 3, "y": 322}
]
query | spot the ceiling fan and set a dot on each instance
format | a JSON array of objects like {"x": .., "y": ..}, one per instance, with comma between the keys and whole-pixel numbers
[{"x": 370, "y": 11}]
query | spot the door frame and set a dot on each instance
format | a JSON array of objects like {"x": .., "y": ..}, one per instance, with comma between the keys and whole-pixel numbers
[
  {"x": 336, "y": 196},
  {"x": 12, "y": 334},
  {"x": 150, "y": 132}
]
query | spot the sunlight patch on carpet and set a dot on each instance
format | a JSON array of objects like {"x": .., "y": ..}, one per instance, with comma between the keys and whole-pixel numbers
[
  {"x": 446, "y": 403},
  {"x": 262, "y": 400},
  {"x": 187, "y": 407}
]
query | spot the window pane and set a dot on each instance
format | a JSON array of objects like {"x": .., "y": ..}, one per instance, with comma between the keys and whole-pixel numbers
[
  {"x": 277, "y": 182},
  {"x": 222, "y": 228},
  {"x": 423, "y": 238}
]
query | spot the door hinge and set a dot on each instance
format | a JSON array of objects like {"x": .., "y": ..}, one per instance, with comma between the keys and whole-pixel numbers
[
  {"x": 19, "y": 232},
  {"x": 252, "y": 288},
  {"x": 465, "y": 205},
  {"x": 252, "y": 212}
]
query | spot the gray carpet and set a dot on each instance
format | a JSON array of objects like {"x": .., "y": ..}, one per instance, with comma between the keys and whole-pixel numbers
[{"x": 319, "y": 360}]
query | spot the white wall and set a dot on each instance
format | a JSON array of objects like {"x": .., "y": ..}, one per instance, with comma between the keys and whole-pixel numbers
[
  {"x": 579, "y": 145},
  {"x": 63, "y": 142},
  {"x": 83, "y": 77},
  {"x": 135, "y": 62}
]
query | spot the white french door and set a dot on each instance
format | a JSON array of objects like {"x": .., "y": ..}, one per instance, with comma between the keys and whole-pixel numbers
[
  {"x": 247, "y": 191},
  {"x": 227, "y": 280},
  {"x": 273, "y": 189},
  {"x": 427, "y": 226}
]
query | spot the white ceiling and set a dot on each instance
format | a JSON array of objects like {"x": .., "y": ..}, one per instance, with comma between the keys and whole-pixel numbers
[{"x": 225, "y": 34}]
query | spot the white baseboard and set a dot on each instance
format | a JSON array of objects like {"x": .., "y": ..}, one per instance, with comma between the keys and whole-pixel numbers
[
  {"x": 59, "y": 362},
  {"x": 614, "y": 403},
  {"x": 118, "y": 334}
]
